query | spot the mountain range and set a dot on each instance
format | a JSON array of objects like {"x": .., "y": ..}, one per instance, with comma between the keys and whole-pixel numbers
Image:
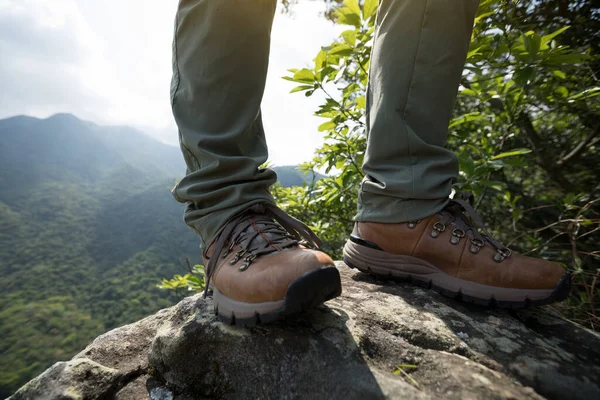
[{"x": 88, "y": 227}]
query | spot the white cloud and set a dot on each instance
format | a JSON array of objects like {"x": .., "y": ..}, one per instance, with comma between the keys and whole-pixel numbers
[
  {"x": 44, "y": 50},
  {"x": 110, "y": 62}
]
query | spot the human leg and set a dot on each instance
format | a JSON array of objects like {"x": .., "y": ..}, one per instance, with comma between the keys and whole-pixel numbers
[
  {"x": 418, "y": 55},
  {"x": 256, "y": 265},
  {"x": 407, "y": 227},
  {"x": 220, "y": 60}
]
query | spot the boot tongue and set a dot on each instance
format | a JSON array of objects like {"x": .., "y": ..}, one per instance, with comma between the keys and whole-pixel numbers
[{"x": 263, "y": 234}]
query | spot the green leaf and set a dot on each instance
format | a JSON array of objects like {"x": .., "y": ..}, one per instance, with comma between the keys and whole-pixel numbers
[
  {"x": 328, "y": 73},
  {"x": 511, "y": 153},
  {"x": 320, "y": 60},
  {"x": 327, "y": 126},
  {"x": 532, "y": 44},
  {"x": 562, "y": 91},
  {"x": 466, "y": 118},
  {"x": 301, "y": 88},
  {"x": 468, "y": 92},
  {"x": 349, "y": 37},
  {"x": 548, "y": 38},
  {"x": 586, "y": 94},
  {"x": 467, "y": 165},
  {"x": 474, "y": 52},
  {"x": 342, "y": 49},
  {"x": 559, "y": 74},
  {"x": 353, "y": 6},
  {"x": 361, "y": 102},
  {"x": 370, "y": 8},
  {"x": 483, "y": 16},
  {"x": 500, "y": 186},
  {"x": 346, "y": 16},
  {"x": 198, "y": 269},
  {"x": 524, "y": 76},
  {"x": 565, "y": 58},
  {"x": 304, "y": 75}
]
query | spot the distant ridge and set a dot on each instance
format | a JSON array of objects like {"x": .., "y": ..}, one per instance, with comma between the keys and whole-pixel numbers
[
  {"x": 290, "y": 175},
  {"x": 88, "y": 227}
]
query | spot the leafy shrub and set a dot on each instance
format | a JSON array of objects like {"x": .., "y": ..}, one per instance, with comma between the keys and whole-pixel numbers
[
  {"x": 526, "y": 129},
  {"x": 190, "y": 282}
]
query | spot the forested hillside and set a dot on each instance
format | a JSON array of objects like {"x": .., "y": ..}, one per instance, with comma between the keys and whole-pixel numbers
[{"x": 88, "y": 228}]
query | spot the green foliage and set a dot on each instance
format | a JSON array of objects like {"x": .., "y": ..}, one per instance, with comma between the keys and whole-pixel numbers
[
  {"x": 526, "y": 129},
  {"x": 50, "y": 328},
  {"x": 82, "y": 244},
  {"x": 190, "y": 282}
]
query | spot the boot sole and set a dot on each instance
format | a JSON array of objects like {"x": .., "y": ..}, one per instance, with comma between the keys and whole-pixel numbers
[
  {"x": 420, "y": 273},
  {"x": 305, "y": 292}
]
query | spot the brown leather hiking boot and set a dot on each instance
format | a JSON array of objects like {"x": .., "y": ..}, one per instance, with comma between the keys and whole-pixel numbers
[
  {"x": 259, "y": 269},
  {"x": 447, "y": 252}
]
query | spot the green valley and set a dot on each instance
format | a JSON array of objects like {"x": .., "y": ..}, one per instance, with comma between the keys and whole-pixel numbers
[{"x": 88, "y": 228}]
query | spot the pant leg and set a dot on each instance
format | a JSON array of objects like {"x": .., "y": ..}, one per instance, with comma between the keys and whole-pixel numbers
[
  {"x": 220, "y": 60},
  {"x": 418, "y": 55}
]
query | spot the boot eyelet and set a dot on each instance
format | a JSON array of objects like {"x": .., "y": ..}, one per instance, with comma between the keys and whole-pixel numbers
[
  {"x": 502, "y": 254},
  {"x": 244, "y": 266},
  {"x": 438, "y": 228},
  {"x": 247, "y": 261},
  {"x": 237, "y": 257},
  {"x": 457, "y": 234},
  {"x": 476, "y": 246},
  {"x": 413, "y": 224}
]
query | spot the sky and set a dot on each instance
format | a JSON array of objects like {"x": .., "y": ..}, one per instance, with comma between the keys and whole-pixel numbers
[{"x": 109, "y": 62}]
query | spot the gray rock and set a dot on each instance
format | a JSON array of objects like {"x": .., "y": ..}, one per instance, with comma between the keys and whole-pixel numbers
[
  {"x": 76, "y": 379},
  {"x": 346, "y": 349}
]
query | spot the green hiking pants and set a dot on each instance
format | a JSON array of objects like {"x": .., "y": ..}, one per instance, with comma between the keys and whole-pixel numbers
[{"x": 220, "y": 60}]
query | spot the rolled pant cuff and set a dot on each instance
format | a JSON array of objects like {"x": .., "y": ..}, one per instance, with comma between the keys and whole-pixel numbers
[{"x": 393, "y": 210}]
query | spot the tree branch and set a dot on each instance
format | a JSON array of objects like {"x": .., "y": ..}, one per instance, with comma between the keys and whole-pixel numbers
[
  {"x": 585, "y": 143},
  {"x": 523, "y": 121}
]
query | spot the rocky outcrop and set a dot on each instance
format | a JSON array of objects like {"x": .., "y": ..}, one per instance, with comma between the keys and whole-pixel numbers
[{"x": 346, "y": 349}]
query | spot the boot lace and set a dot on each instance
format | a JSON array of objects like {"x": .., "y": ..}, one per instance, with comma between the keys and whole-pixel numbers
[
  {"x": 261, "y": 229},
  {"x": 466, "y": 221}
]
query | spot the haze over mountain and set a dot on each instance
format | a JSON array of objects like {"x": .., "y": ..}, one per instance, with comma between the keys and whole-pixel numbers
[{"x": 88, "y": 227}]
